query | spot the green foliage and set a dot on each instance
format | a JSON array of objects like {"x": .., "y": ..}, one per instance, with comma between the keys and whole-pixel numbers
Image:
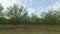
[
  {"x": 19, "y": 15},
  {"x": 50, "y": 18}
]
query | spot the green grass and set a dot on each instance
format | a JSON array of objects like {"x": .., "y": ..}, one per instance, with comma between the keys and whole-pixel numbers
[
  {"x": 34, "y": 32},
  {"x": 31, "y": 29}
]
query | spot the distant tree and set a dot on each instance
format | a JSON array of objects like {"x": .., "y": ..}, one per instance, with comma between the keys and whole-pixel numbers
[
  {"x": 1, "y": 10},
  {"x": 18, "y": 15},
  {"x": 58, "y": 16},
  {"x": 14, "y": 12},
  {"x": 33, "y": 18},
  {"x": 1, "y": 14},
  {"x": 50, "y": 18}
]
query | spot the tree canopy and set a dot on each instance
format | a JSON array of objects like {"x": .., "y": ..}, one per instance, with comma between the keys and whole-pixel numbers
[{"x": 19, "y": 15}]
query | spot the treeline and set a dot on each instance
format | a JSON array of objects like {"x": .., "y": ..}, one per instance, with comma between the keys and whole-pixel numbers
[{"x": 19, "y": 15}]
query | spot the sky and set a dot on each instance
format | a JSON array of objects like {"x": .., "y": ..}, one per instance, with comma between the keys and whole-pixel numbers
[{"x": 34, "y": 6}]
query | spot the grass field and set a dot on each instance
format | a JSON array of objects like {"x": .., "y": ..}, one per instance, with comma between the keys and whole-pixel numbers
[{"x": 30, "y": 29}]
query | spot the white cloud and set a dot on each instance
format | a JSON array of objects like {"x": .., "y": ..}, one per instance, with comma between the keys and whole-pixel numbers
[
  {"x": 48, "y": 8},
  {"x": 7, "y": 3},
  {"x": 31, "y": 2},
  {"x": 14, "y": 1},
  {"x": 25, "y": 2},
  {"x": 56, "y": 5},
  {"x": 39, "y": 10},
  {"x": 31, "y": 10}
]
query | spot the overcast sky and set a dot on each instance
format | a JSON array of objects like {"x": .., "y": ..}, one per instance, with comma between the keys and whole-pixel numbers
[{"x": 32, "y": 6}]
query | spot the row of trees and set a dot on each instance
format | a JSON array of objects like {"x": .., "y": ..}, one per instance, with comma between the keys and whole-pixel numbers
[{"x": 19, "y": 15}]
